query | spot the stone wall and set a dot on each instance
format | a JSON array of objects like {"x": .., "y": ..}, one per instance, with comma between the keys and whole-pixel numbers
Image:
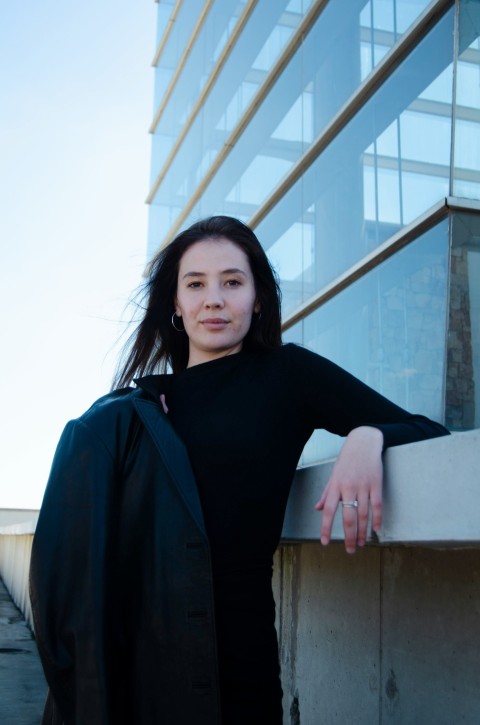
[{"x": 460, "y": 385}]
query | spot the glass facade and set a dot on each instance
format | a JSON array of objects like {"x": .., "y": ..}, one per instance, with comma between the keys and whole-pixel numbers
[
  {"x": 466, "y": 179},
  {"x": 386, "y": 166},
  {"x": 347, "y": 135},
  {"x": 267, "y": 31},
  {"x": 388, "y": 329},
  {"x": 215, "y": 33}
]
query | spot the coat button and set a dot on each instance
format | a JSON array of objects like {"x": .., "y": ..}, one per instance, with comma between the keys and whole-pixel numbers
[
  {"x": 197, "y": 615},
  {"x": 195, "y": 545},
  {"x": 201, "y": 685}
]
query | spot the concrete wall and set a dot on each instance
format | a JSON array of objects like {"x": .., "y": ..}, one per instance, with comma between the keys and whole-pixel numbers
[
  {"x": 15, "y": 551},
  {"x": 16, "y": 537},
  {"x": 388, "y": 636},
  {"x": 392, "y": 634}
]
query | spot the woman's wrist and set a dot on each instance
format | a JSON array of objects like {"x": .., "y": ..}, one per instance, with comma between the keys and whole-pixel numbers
[{"x": 366, "y": 435}]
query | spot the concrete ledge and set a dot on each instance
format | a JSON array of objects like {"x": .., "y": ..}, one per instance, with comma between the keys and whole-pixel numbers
[
  {"x": 431, "y": 495},
  {"x": 27, "y": 527},
  {"x": 17, "y": 516}
]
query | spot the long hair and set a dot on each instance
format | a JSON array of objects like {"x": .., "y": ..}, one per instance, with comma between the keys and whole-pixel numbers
[{"x": 155, "y": 345}]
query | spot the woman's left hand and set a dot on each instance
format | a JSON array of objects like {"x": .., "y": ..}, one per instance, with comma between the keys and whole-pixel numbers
[{"x": 356, "y": 477}]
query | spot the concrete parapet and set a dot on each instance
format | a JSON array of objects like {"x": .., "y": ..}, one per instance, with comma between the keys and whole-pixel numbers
[
  {"x": 431, "y": 495},
  {"x": 391, "y": 634},
  {"x": 15, "y": 550}
]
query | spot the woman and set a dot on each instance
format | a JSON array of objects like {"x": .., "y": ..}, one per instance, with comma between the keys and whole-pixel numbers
[{"x": 152, "y": 560}]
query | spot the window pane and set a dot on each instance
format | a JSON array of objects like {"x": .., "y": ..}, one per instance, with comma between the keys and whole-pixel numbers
[
  {"x": 387, "y": 166},
  {"x": 301, "y": 104},
  {"x": 265, "y": 35},
  {"x": 382, "y": 22},
  {"x": 467, "y": 110},
  {"x": 175, "y": 45},
  {"x": 388, "y": 329},
  {"x": 216, "y": 31},
  {"x": 164, "y": 12},
  {"x": 344, "y": 46}
]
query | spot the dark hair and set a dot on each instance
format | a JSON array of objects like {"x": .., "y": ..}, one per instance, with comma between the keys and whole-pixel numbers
[{"x": 155, "y": 344}]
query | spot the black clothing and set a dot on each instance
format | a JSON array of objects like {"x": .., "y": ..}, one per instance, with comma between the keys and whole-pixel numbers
[
  {"x": 122, "y": 505},
  {"x": 245, "y": 419},
  {"x": 120, "y": 577}
]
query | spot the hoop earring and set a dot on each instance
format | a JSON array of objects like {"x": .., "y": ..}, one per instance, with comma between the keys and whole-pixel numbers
[{"x": 178, "y": 329}]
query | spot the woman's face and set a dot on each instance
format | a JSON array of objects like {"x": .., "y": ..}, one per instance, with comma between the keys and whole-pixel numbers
[{"x": 215, "y": 298}]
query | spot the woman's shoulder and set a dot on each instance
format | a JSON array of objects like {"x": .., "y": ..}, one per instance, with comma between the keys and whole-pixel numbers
[
  {"x": 110, "y": 408},
  {"x": 302, "y": 365},
  {"x": 111, "y": 402},
  {"x": 298, "y": 355},
  {"x": 291, "y": 363},
  {"x": 107, "y": 422}
]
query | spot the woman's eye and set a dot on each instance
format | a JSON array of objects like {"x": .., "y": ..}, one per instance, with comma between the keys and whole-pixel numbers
[
  {"x": 233, "y": 282},
  {"x": 194, "y": 285}
]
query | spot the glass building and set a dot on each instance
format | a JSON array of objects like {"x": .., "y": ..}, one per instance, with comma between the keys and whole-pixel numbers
[{"x": 347, "y": 135}]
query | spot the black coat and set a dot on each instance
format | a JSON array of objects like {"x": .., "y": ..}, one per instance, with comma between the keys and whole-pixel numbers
[{"x": 120, "y": 578}]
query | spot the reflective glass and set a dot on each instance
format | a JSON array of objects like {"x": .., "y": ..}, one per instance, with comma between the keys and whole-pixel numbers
[
  {"x": 265, "y": 35},
  {"x": 388, "y": 329},
  {"x": 382, "y": 23},
  {"x": 303, "y": 101},
  {"x": 164, "y": 12},
  {"x": 466, "y": 182},
  {"x": 216, "y": 31},
  {"x": 185, "y": 21},
  {"x": 463, "y": 347},
  {"x": 387, "y": 166}
]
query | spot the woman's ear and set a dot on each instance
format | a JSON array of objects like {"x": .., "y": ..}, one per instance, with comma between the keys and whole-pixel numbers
[{"x": 257, "y": 307}]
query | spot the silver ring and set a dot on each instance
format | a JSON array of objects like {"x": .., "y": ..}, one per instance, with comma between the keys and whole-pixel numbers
[{"x": 350, "y": 504}]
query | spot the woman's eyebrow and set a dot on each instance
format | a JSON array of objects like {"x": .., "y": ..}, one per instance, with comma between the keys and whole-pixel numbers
[
  {"x": 193, "y": 274},
  {"x": 233, "y": 270}
]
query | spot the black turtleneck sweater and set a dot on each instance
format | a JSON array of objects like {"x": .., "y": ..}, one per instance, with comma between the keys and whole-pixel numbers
[{"x": 245, "y": 419}]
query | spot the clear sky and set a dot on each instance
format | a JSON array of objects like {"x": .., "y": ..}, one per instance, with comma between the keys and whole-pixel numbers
[{"x": 76, "y": 95}]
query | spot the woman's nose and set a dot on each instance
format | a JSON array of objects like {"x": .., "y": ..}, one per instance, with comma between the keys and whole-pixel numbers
[
  {"x": 214, "y": 298},
  {"x": 213, "y": 303}
]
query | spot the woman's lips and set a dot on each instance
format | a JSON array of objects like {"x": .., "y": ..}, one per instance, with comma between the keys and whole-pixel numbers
[{"x": 214, "y": 323}]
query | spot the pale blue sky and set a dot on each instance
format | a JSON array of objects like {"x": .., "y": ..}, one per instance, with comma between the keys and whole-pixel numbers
[{"x": 76, "y": 95}]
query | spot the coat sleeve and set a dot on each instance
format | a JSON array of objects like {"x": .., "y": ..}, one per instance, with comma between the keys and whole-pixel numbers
[{"x": 70, "y": 582}]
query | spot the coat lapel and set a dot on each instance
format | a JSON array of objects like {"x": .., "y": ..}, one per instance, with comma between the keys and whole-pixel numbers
[{"x": 174, "y": 455}]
